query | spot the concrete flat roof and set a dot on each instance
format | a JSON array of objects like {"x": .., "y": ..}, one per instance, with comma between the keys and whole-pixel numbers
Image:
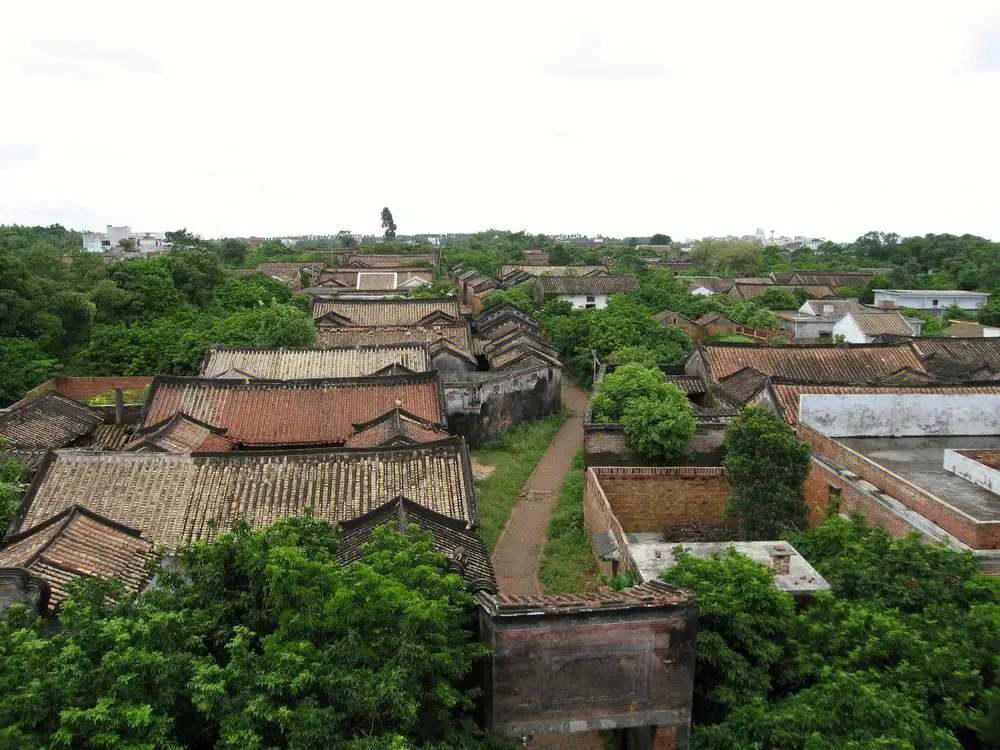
[
  {"x": 920, "y": 460},
  {"x": 652, "y": 555}
]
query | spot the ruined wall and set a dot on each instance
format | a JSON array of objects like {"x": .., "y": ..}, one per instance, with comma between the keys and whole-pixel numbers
[
  {"x": 894, "y": 493},
  {"x": 82, "y": 388},
  {"x": 481, "y": 405},
  {"x": 605, "y": 444},
  {"x": 900, "y": 414},
  {"x": 593, "y": 666}
]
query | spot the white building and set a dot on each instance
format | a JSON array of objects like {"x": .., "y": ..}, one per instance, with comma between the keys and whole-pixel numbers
[
  {"x": 864, "y": 327},
  {"x": 110, "y": 240},
  {"x": 933, "y": 300},
  {"x": 583, "y": 292}
]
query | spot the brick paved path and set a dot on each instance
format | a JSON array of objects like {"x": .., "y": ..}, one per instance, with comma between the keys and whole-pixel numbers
[{"x": 518, "y": 553}]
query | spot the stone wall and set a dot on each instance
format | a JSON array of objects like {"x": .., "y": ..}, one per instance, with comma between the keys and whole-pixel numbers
[{"x": 481, "y": 405}]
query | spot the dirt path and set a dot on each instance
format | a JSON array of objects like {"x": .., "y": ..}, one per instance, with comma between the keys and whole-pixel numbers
[{"x": 518, "y": 553}]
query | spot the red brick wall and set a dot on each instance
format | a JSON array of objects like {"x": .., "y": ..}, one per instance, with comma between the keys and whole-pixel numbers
[
  {"x": 87, "y": 387},
  {"x": 817, "y": 493},
  {"x": 979, "y": 535},
  {"x": 654, "y": 498}
]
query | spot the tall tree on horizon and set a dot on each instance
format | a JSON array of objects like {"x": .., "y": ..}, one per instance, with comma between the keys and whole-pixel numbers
[{"x": 388, "y": 224}]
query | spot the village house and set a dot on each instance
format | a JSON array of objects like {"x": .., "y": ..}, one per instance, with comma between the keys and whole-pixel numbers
[
  {"x": 967, "y": 329},
  {"x": 247, "y": 362},
  {"x": 866, "y": 327},
  {"x": 518, "y": 273},
  {"x": 932, "y": 300},
  {"x": 583, "y": 292}
]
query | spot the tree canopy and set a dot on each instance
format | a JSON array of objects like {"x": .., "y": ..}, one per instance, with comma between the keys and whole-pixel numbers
[{"x": 259, "y": 639}]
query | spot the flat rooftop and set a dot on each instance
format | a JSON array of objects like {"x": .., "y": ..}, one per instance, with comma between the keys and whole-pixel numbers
[
  {"x": 652, "y": 555},
  {"x": 920, "y": 460}
]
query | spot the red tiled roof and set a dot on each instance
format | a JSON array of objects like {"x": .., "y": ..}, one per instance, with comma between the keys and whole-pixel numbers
[
  {"x": 396, "y": 427},
  {"x": 74, "y": 543},
  {"x": 181, "y": 434},
  {"x": 267, "y": 413},
  {"x": 843, "y": 363},
  {"x": 788, "y": 393}
]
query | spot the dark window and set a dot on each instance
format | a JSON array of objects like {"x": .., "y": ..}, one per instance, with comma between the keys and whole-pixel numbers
[
  {"x": 934, "y": 302},
  {"x": 590, "y": 299}
]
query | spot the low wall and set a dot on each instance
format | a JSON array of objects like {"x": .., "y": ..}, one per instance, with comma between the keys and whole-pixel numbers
[
  {"x": 83, "y": 388},
  {"x": 900, "y": 414},
  {"x": 965, "y": 464},
  {"x": 965, "y": 528},
  {"x": 605, "y": 444},
  {"x": 481, "y": 405}
]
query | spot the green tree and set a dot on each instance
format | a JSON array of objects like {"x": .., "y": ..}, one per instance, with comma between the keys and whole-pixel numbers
[
  {"x": 388, "y": 224},
  {"x": 245, "y": 292},
  {"x": 234, "y": 250},
  {"x": 660, "y": 239},
  {"x": 740, "y": 256},
  {"x": 259, "y": 639},
  {"x": 777, "y": 299},
  {"x": 631, "y": 381},
  {"x": 23, "y": 365},
  {"x": 659, "y": 428},
  {"x": 766, "y": 466}
]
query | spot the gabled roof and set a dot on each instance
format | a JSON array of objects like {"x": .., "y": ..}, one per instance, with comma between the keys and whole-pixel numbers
[
  {"x": 716, "y": 284},
  {"x": 526, "y": 270},
  {"x": 943, "y": 367},
  {"x": 463, "y": 547},
  {"x": 749, "y": 291},
  {"x": 271, "y": 413},
  {"x": 298, "y": 364},
  {"x": 830, "y": 278},
  {"x": 667, "y": 316},
  {"x": 396, "y": 427},
  {"x": 834, "y": 308},
  {"x": 519, "y": 352},
  {"x": 76, "y": 542},
  {"x": 377, "y": 280},
  {"x": 741, "y": 386},
  {"x": 499, "y": 315},
  {"x": 456, "y": 334},
  {"x": 51, "y": 420},
  {"x": 833, "y": 363},
  {"x": 881, "y": 323},
  {"x": 180, "y": 433},
  {"x": 689, "y": 384},
  {"x": 717, "y": 318},
  {"x": 391, "y": 312},
  {"x": 173, "y": 498},
  {"x": 586, "y": 284},
  {"x": 983, "y": 352}
]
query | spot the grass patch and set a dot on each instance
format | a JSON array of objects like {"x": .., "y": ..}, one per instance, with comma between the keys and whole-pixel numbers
[
  {"x": 129, "y": 396},
  {"x": 514, "y": 454},
  {"x": 568, "y": 565}
]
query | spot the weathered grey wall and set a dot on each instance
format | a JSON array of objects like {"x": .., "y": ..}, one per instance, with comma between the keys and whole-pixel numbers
[
  {"x": 481, "y": 405},
  {"x": 972, "y": 470},
  {"x": 900, "y": 414}
]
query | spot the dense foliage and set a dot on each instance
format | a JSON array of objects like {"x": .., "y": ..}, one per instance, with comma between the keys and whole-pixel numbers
[
  {"x": 257, "y": 640},
  {"x": 766, "y": 466},
  {"x": 901, "y": 653}
]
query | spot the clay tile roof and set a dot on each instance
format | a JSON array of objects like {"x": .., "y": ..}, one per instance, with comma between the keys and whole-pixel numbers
[
  {"x": 107, "y": 437},
  {"x": 377, "y": 280},
  {"x": 882, "y": 323},
  {"x": 749, "y": 291},
  {"x": 586, "y": 284},
  {"x": 269, "y": 413},
  {"x": 299, "y": 364},
  {"x": 180, "y": 433},
  {"x": 524, "y": 269},
  {"x": 396, "y": 427},
  {"x": 392, "y": 312},
  {"x": 690, "y": 384},
  {"x": 521, "y": 351},
  {"x": 788, "y": 393},
  {"x": 457, "y": 335},
  {"x": 51, "y": 420},
  {"x": 718, "y": 284},
  {"x": 834, "y": 363},
  {"x": 838, "y": 308},
  {"x": 463, "y": 547},
  {"x": 176, "y": 498},
  {"x": 982, "y": 352},
  {"x": 76, "y": 542},
  {"x": 831, "y": 278},
  {"x": 742, "y": 385},
  {"x": 715, "y": 317},
  {"x": 652, "y": 594}
]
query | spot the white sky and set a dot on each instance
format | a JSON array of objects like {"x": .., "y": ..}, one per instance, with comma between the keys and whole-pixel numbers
[{"x": 687, "y": 118}]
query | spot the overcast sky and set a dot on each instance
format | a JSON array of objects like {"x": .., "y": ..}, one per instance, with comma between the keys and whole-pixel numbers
[{"x": 615, "y": 118}]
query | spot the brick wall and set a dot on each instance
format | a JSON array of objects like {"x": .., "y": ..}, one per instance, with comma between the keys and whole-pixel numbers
[
  {"x": 607, "y": 445},
  {"x": 978, "y": 535},
  {"x": 817, "y": 494},
  {"x": 598, "y": 519},
  {"x": 650, "y": 499},
  {"x": 87, "y": 387}
]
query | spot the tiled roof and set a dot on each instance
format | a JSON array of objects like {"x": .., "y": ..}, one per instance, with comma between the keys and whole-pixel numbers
[
  {"x": 76, "y": 542},
  {"x": 30, "y": 457},
  {"x": 181, "y": 434},
  {"x": 717, "y": 318},
  {"x": 456, "y": 334},
  {"x": 652, "y": 594},
  {"x": 394, "y": 312},
  {"x": 974, "y": 351},
  {"x": 586, "y": 284},
  {"x": 518, "y": 353},
  {"x": 107, "y": 437},
  {"x": 667, "y": 317},
  {"x": 830, "y": 278},
  {"x": 298, "y": 364},
  {"x": 382, "y": 260},
  {"x": 742, "y": 385},
  {"x": 532, "y": 270},
  {"x": 718, "y": 284},
  {"x": 690, "y": 384},
  {"x": 882, "y": 323},
  {"x": 843, "y": 363},
  {"x": 502, "y": 317},
  {"x": 749, "y": 291},
  {"x": 463, "y": 547},
  {"x": 396, "y": 427},
  {"x": 788, "y": 393},
  {"x": 51, "y": 420},
  {"x": 176, "y": 498},
  {"x": 334, "y": 278},
  {"x": 282, "y": 266},
  {"x": 270, "y": 413},
  {"x": 377, "y": 280},
  {"x": 943, "y": 367}
]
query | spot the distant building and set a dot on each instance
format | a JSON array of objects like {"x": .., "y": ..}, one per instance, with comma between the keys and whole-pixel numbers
[
  {"x": 866, "y": 327},
  {"x": 111, "y": 240},
  {"x": 583, "y": 292},
  {"x": 966, "y": 329},
  {"x": 933, "y": 300}
]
